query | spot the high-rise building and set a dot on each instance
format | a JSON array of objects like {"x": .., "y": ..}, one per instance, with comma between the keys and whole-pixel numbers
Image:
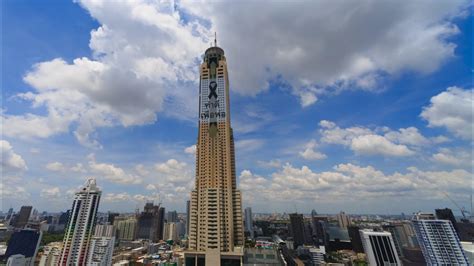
[
  {"x": 151, "y": 222},
  {"x": 161, "y": 222},
  {"x": 438, "y": 240},
  {"x": 344, "y": 220},
  {"x": 308, "y": 232},
  {"x": 319, "y": 229},
  {"x": 25, "y": 242},
  {"x": 216, "y": 224},
  {"x": 170, "y": 232},
  {"x": 23, "y": 217},
  {"x": 126, "y": 228},
  {"x": 172, "y": 217},
  {"x": 248, "y": 221},
  {"x": 188, "y": 216},
  {"x": 104, "y": 230},
  {"x": 181, "y": 229},
  {"x": 101, "y": 246},
  {"x": 297, "y": 229},
  {"x": 81, "y": 224},
  {"x": 397, "y": 238},
  {"x": 379, "y": 248}
]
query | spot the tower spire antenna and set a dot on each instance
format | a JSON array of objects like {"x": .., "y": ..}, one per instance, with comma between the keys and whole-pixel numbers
[{"x": 215, "y": 39}]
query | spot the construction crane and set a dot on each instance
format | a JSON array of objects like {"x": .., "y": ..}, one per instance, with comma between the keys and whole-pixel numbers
[{"x": 462, "y": 209}]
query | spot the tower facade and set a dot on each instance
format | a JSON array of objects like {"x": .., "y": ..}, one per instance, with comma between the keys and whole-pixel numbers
[
  {"x": 81, "y": 224},
  {"x": 438, "y": 241},
  {"x": 216, "y": 210}
]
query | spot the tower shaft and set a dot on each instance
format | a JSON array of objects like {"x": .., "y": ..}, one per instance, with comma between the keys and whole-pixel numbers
[{"x": 216, "y": 211}]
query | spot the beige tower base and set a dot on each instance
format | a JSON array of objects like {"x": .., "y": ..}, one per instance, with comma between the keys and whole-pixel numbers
[{"x": 213, "y": 257}]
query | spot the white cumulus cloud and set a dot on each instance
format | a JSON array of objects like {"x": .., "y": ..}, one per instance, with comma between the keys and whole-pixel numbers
[
  {"x": 366, "y": 141},
  {"x": 375, "y": 144},
  {"x": 453, "y": 110},
  {"x": 146, "y": 56},
  {"x": 113, "y": 173},
  {"x": 11, "y": 161},
  {"x": 323, "y": 46},
  {"x": 55, "y": 167},
  {"x": 190, "y": 150},
  {"x": 454, "y": 157},
  {"x": 50, "y": 193},
  {"x": 310, "y": 152}
]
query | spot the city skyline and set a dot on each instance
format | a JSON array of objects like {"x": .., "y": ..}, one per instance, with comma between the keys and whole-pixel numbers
[{"x": 355, "y": 127}]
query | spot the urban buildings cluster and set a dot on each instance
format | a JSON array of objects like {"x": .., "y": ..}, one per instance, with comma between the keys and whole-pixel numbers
[
  {"x": 270, "y": 239},
  {"x": 84, "y": 236},
  {"x": 215, "y": 231}
]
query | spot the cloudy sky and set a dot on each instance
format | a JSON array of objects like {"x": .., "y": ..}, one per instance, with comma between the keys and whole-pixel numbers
[{"x": 363, "y": 106}]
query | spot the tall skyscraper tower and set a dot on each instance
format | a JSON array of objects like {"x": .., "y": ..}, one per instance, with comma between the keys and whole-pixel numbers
[
  {"x": 297, "y": 229},
  {"x": 151, "y": 222},
  {"x": 438, "y": 241},
  {"x": 81, "y": 224},
  {"x": 249, "y": 221},
  {"x": 216, "y": 209}
]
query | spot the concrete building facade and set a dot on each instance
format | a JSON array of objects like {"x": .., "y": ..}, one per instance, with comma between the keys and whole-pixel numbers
[
  {"x": 126, "y": 228},
  {"x": 101, "y": 250}
]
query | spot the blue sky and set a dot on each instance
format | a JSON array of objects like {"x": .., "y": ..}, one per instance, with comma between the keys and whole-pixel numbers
[{"x": 364, "y": 107}]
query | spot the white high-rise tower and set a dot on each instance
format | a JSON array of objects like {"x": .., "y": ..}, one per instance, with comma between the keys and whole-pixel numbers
[
  {"x": 80, "y": 225},
  {"x": 438, "y": 240}
]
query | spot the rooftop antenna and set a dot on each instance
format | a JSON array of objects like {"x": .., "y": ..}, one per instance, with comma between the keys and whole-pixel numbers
[{"x": 215, "y": 39}]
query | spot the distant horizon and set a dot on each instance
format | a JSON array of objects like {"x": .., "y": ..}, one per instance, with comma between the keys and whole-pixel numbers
[{"x": 455, "y": 212}]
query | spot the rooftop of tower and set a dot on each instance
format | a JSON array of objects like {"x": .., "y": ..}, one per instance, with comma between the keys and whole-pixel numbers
[
  {"x": 213, "y": 51},
  {"x": 90, "y": 186}
]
